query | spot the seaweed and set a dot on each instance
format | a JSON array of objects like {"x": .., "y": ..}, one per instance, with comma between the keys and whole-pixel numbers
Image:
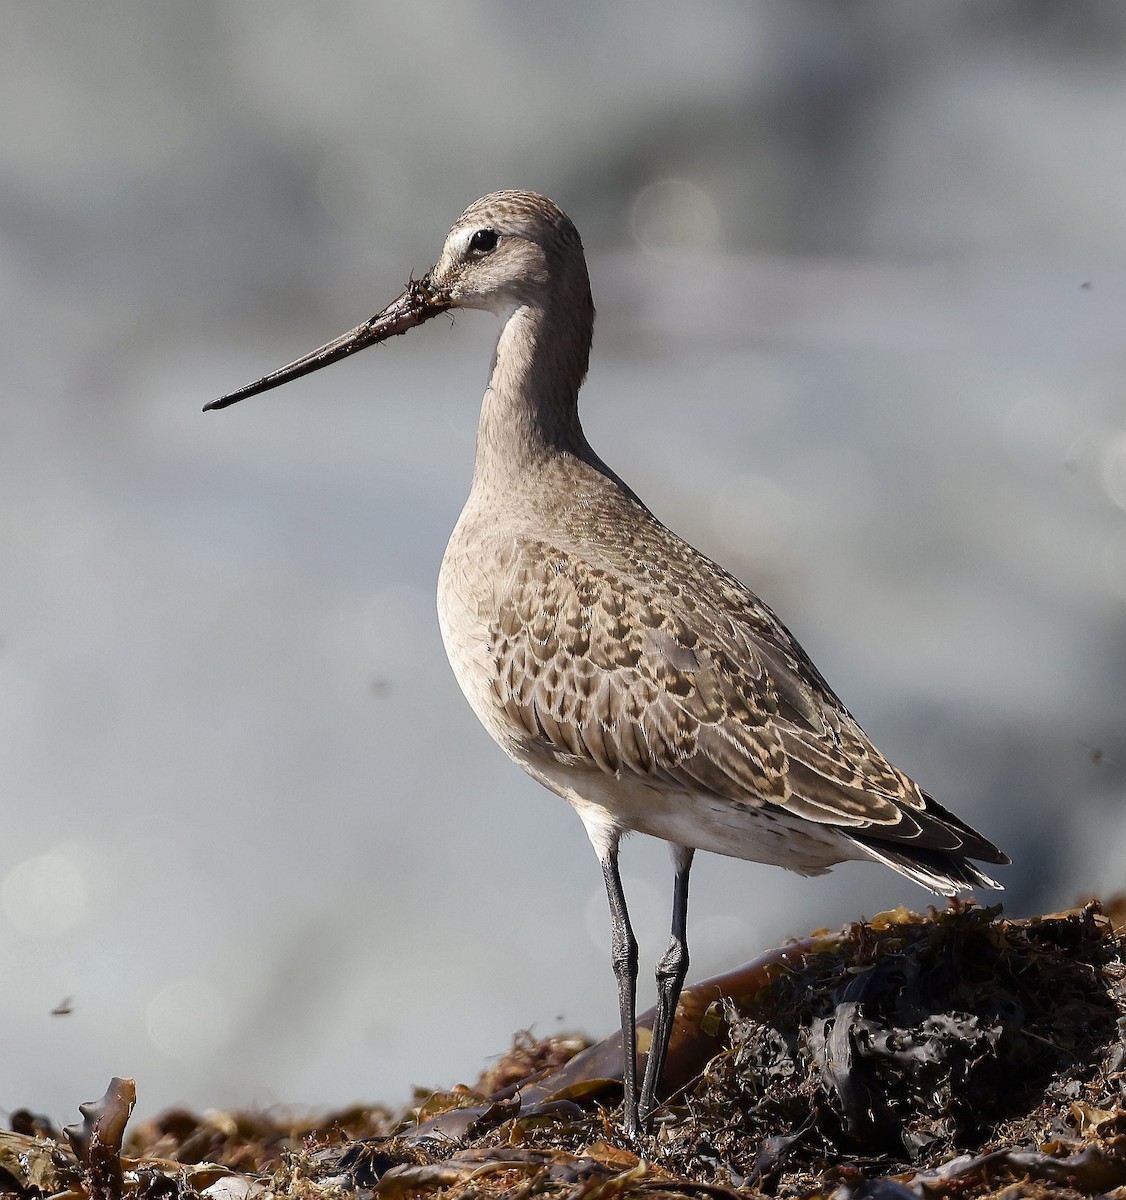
[{"x": 955, "y": 1053}]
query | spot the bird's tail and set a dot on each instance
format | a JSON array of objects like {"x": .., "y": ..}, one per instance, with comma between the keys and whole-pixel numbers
[
  {"x": 941, "y": 862},
  {"x": 943, "y": 873}
]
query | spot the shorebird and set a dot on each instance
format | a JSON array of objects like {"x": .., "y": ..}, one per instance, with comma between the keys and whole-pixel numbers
[{"x": 620, "y": 667}]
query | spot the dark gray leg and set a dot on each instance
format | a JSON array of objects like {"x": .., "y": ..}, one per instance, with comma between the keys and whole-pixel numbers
[
  {"x": 623, "y": 950},
  {"x": 671, "y": 972}
]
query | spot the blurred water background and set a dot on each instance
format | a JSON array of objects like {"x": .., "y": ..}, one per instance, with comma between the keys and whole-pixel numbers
[{"x": 861, "y": 277}]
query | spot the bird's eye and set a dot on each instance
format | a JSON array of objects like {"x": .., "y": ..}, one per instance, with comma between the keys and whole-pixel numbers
[{"x": 484, "y": 240}]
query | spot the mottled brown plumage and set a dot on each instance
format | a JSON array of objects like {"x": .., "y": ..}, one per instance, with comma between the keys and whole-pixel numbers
[
  {"x": 619, "y": 666},
  {"x": 655, "y": 662}
]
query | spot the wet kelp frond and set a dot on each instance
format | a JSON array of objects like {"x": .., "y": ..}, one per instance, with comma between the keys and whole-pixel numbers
[{"x": 913, "y": 1041}]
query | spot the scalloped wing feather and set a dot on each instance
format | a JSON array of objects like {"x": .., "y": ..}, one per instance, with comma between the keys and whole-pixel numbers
[{"x": 631, "y": 666}]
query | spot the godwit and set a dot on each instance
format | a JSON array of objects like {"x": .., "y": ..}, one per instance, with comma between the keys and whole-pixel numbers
[{"x": 617, "y": 665}]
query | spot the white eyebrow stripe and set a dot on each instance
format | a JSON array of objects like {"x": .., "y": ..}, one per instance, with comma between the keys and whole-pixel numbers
[{"x": 462, "y": 239}]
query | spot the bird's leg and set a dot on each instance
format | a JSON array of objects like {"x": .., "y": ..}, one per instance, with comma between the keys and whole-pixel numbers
[
  {"x": 623, "y": 950},
  {"x": 671, "y": 972}
]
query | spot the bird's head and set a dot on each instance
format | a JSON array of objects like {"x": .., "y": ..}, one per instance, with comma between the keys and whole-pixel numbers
[{"x": 507, "y": 250}]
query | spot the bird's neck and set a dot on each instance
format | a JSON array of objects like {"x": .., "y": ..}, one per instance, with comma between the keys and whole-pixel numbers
[{"x": 530, "y": 414}]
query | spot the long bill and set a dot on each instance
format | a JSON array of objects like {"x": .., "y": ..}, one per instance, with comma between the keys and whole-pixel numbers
[{"x": 418, "y": 303}]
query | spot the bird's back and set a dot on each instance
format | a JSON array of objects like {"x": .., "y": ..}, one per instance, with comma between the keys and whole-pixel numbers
[{"x": 617, "y": 663}]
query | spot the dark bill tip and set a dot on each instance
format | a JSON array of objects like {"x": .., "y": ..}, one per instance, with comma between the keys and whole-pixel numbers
[{"x": 417, "y": 304}]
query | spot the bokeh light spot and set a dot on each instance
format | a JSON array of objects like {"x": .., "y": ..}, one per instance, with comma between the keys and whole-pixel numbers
[
  {"x": 753, "y": 516},
  {"x": 188, "y": 1019},
  {"x": 44, "y": 896},
  {"x": 674, "y": 214},
  {"x": 1114, "y": 470}
]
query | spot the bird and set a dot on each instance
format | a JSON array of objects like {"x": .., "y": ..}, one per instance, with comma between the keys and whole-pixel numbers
[{"x": 617, "y": 665}]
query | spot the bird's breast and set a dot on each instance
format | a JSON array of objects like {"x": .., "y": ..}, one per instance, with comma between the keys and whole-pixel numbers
[{"x": 474, "y": 566}]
